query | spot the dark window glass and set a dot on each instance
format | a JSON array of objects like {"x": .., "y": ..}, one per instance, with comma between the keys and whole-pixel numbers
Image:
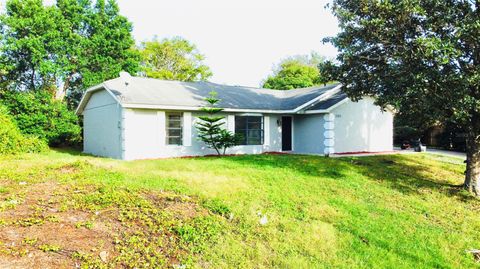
[
  {"x": 174, "y": 140},
  {"x": 174, "y": 128},
  {"x": 255, "y": 125},
  {"x": 240, "y": 123},
  {"x": 250, "y": 128}
]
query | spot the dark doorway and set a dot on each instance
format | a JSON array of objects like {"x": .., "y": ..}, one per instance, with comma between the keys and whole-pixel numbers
[{"x": 286, "y": 133}]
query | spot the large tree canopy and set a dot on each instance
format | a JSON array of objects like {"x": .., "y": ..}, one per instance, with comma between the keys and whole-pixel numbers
[
  {"x": 64, "y": 48},
  {"x": 31, "y": 39},
  {"x": 295, "y": 72},
  {"x": 173, "y": 59},
  {"x": 420, "y": 56}
]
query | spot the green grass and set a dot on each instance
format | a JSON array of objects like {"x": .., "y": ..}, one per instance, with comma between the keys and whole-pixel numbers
[{"x": 397, "y": 211}]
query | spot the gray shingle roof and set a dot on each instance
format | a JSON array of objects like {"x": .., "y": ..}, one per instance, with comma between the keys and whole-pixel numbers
[
  {"x": 153, "y": 92},
  {"x": 329, "y": 102}
]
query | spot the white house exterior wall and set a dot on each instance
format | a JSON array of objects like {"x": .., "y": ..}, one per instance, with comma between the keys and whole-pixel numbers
[
  {"x": 308, "y": 133},
  {"x": 362, "y": 126},
  {"x": 144, "y": 136},
  {"x": 102, "y": 126},
  {"x": 126, "y": 133}
]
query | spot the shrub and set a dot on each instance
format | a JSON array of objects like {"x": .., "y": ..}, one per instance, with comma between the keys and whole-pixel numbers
[
  {"x": 405, "y": 133},
  {"x": 13, "y": 141},
  {"x": 39, "y": 114}
]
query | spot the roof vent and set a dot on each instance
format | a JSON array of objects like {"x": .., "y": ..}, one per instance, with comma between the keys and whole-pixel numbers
[{"x": 126, "y": 77}]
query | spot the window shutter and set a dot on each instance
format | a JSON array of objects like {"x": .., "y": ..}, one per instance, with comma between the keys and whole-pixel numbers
[
  {"x": 266, "y": 130},
  {"x": 187, "y": 129},
  {"x": 231, "y": 123}
]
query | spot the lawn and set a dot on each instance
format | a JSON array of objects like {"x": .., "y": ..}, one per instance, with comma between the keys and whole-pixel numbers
[{"x": 284, "y": 211}]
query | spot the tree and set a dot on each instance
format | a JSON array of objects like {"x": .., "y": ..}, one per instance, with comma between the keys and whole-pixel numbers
[
  {"x": 30, "y": 40},
  {"x": 295, "y": 72},
  {"x": 110, "y": 47},
  {"x": 64, "y": 48},
  {"x": 173, "y": 59},
  {"x": 38, "y": 114},
  {"x": 420, "y": 55},
  {"x": 210, "y": 129}
]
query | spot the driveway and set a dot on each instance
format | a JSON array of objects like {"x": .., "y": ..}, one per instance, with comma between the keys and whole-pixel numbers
[
  {"x": 407, "y": 151},
  {"x": 448, "y": 153}
]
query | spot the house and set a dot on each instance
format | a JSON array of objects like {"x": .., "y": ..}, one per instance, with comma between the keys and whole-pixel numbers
[{"x": 139, "y": 118}]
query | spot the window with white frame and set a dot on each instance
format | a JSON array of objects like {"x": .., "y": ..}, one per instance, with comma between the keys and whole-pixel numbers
[
  {"x": 174, "y": 127},
  {"x": 250, "y": 128}
]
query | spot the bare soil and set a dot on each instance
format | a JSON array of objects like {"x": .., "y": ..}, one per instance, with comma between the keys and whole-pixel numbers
[{"x": 36, "y": 231}]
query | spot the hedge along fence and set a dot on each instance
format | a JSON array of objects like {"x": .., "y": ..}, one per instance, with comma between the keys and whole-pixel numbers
[{"x": 12, "y": 141}]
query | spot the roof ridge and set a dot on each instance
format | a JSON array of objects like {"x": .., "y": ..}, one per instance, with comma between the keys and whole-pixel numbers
[{"x": 237, "y": 86}]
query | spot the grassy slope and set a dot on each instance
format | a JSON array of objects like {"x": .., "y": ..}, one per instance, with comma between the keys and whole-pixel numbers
[{"x": 374, "y": 212}]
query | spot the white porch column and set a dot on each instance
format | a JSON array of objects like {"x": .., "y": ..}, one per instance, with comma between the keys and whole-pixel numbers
[{"x": 329, "y": 133}]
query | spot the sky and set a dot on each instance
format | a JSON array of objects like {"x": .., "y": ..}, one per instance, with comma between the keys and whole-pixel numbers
[{"x": 241, "y": 39}]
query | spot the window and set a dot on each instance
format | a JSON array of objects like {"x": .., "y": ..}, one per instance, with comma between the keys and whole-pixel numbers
[
  {"x": 250, "y": 128},
  {"x": 174, "y": 128}
]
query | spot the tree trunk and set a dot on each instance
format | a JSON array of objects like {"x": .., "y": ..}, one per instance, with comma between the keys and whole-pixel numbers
[
  {"x": 472, "y": 174},
  {"x": 63, "y": 92},
  {"x": 214, "y": 146}
]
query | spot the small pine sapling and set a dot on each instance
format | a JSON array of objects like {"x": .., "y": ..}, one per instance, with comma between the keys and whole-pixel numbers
[{"x": 210, "y": 127}]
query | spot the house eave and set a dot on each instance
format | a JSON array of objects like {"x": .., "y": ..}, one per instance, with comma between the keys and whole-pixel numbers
[{"x": 192, "y": 108}]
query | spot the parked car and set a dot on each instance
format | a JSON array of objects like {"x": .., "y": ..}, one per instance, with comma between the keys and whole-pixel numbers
[
  {"x": 418, "y": 146},
  {"x": 405, "y": 145}
]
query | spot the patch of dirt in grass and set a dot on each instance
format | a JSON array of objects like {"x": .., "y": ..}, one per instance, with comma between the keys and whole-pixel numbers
[
  {"x": 50, "y": 225},
  {"x": 73, "y": 167},
  {"x": 24, "y": 244},
  {"x": 182, "y": 207},
  {"x": 67, "y": 169}
]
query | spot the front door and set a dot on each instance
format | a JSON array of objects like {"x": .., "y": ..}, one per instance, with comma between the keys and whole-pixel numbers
[{"x": 286, "y": 133}]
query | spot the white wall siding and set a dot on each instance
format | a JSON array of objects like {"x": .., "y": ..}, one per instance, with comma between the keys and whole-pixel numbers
[
  {"x": 162, "y": 121},
  {"x": 100, "y": 99},
  {"x": 145, "y": 136},
  {"x": 309, "y": 134},
  {"x": 102, "y": 126},
  {"x": 143, "y": 133},
  {"x": 362, "y": 126}
]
